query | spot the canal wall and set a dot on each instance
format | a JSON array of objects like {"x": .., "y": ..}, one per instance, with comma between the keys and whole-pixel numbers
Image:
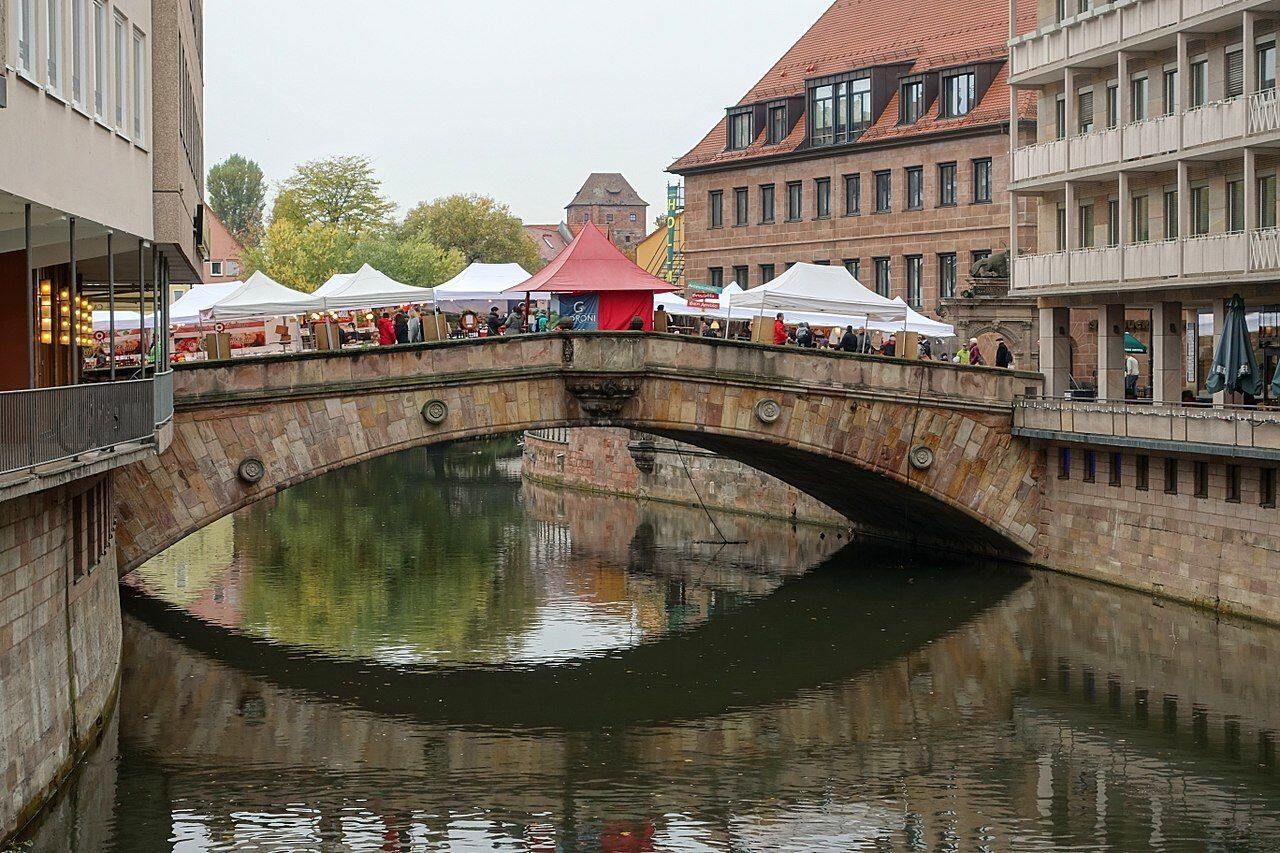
[
  {"x": 59, "y": 639},
  {"x": 634, "y": 464}
]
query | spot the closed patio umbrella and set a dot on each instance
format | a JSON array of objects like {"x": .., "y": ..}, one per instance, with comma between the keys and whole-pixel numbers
[
  {"x": 1235, "y": 368},
  {"x": 1275, "y": 383}
]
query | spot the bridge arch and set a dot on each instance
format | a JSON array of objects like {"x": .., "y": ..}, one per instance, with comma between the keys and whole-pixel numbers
[{"x": 838, "y": 427}]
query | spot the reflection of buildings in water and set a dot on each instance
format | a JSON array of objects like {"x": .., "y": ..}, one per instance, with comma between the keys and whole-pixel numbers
[
  {"x": 968, "y": 740},
  {"x": 205, "y": 574}
]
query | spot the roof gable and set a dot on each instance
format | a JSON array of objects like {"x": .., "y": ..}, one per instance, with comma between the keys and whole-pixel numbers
[{"x": 607, "y": 189}]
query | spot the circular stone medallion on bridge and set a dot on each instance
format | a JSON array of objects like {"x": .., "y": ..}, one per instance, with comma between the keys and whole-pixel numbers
[
  {"x": 435, "y": 411},
  {"x": 921, "y": 458},
  {"x": 251, "y": 471},
  {"x": 768, "y": 411}
]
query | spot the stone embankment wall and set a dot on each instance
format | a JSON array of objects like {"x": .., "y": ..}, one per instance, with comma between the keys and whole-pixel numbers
[
  {"x": 616, "y": 461},
  {"x": 59, "y": 639}
]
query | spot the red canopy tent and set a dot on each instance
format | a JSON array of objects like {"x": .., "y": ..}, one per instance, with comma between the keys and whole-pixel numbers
[{"x": 607, "y": 288}]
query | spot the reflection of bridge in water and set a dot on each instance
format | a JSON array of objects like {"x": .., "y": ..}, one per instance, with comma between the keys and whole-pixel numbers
[{"x": 909, "y": 745}]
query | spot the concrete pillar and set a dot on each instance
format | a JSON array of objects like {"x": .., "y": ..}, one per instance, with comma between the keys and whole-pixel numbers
[
  {"x": 1126, "y": 219},
  {"x": 1250, "y": 202},
  {"x": 1123, "y": 92},
  {"x": 1111, "y": 352},
  {"x": 1072, "y": 107},
  {"x": 1168, "y": 369},
  {"x": 1184, "y": 212},
  {"x": 1055, "y": 350},
  {"x": 1250, "y": 62}
]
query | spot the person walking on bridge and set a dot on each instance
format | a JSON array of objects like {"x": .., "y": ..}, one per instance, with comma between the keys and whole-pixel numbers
[
  {"x": 779, "y": 332},
  {"x": 1004, "y": 358},
  {"x": 415, "y": 327},
  {"x": 386, "y": 330},
  {"x": 494, "y": 321},
  {"x": 849, "y": 341}
]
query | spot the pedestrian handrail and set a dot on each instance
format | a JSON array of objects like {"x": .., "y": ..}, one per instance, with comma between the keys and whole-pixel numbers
[
  {"x": 164, "y": 397},
  {"x": 41, "y": 426}
]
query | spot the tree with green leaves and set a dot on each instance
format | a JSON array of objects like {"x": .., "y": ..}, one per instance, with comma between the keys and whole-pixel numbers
[
  {"x": 301, "y": 255},
  {"x": 342, "y": 192},
  {"x": 480, "y": 228},
  {"x": 238, "y": 195}
]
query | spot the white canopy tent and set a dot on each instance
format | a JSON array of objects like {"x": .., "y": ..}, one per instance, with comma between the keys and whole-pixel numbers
[
  {"x": 677, "y": 306},
  {"x": 823, "y": 290},
  {"x": 915, "y": 322},
  {"x": 186, "y": 309},
  {"x": 334, "y": 284},
  {"x": 260, "y": 296},
  {"x": 479, "y": 287},
  {"x": 368, "y": 288},
  {"x": 126, "y": 321}
]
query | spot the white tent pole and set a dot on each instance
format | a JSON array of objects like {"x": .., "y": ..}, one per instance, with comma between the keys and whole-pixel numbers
[{"x": 728, "y": 313}]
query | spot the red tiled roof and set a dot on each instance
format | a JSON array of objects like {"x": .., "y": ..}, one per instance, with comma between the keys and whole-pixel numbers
[
  {"x": 548, "y": 239},
  {"x": 592, "y": 264},
  {"x": 855, "y": 34}
]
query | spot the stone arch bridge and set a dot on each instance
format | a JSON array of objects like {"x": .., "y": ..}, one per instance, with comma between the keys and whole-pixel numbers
[{"x": 920, "y": 449}]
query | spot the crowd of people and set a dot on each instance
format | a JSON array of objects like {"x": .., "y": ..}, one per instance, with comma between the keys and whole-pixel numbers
[{"x": 864, "y": 342}]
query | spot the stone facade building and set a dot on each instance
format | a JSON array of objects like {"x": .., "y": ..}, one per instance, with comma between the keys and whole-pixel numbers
[
  {"x": 879, "y": 141},
  {"x": 610, "y": 202}
]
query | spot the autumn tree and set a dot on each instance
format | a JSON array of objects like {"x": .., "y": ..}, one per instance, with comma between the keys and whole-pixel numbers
[
  {"x": 238, "y": 195},
  {"x": 480, "y": 228},
  {"x": 342, "y": 192}
]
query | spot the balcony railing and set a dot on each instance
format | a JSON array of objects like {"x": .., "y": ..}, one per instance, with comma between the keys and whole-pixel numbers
[
  {"x": 49, "y": 425},
  {"x": 1105, "y": 27},
  {"x": 1240, "y": 118},
  {"x": 1231, "y": 430},
  {"x": 1237, "y": 253}
]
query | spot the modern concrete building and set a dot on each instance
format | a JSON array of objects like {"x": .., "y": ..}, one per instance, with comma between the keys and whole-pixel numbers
[
  {"x": 93, "y": 215},
  {"x": 879, "y": 141},
  {"x": 609, "y": 201}
]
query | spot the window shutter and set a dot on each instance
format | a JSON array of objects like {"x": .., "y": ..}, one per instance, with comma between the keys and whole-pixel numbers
[
  {"x": 1086, "y": 109},
  {"x": 1235, "y": 74}
]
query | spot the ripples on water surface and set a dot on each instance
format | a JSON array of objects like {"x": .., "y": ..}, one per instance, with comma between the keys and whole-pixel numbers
[{"x": 425, "y": 653}]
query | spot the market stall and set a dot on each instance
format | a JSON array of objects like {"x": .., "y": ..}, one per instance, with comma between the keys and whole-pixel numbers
[{"x": 480, "y": 287}]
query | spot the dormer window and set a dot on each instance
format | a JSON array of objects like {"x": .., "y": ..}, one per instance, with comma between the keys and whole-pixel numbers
[
  {"x": 777, "y": 124},
  {"x": 741, "y": 131},
  {"x": 840, "y": 110},
  {"x": 959, "y": 93},
  {"x": 912, "y": 102}
]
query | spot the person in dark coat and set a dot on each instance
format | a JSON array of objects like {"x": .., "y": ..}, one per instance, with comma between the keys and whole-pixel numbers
[
  {"x": 848, "y": 341},
  {"x": 494, "y": 321},
  {"x": 1004, "y": 357},
  {"x": 402, "y": 327},
  {"x": 637, "y": 324}
]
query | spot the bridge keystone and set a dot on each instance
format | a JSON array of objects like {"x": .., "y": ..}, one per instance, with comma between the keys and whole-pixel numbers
[{"x": 603, "y": 396}]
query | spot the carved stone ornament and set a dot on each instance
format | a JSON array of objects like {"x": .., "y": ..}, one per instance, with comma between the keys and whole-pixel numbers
[
  {"x": 251, "y": 471},
  {"x": 768, "y": 411},
  {"x": 434, "y": 412},
  {"x": 603, "y": 397},
  {"x": 921, "y": 458}
]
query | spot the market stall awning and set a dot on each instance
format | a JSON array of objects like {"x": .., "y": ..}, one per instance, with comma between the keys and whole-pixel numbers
[
  {"x": 818, "y": 289},
  {"x": 186, "y": 309},
  {"x": 591, "y": 264},
  {"x": 369, "y": 288},
  {"x": 480, "y": 286},
  {"x": 915, "y": 322},
  {"x": 260, "y": 296},
  {"x": 126, "y": 321}
]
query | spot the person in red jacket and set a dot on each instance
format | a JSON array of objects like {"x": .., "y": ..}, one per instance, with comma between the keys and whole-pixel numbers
[
  {"x": 779, "y": 332},
  {"x": 386, "y": 330}
]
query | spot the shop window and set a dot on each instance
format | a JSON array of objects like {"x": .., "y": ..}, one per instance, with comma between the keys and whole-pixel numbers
[
  {"x": 1090, "y": 466},
  {"x": 1117, "y": 469},
  {"x": 1064, "y": 463},
  {"x": 1143, "y": 473},
  {"x": 1170, "y": 476},
  {"x": 1233, "y": 484},
  {"x": 1202, "y": 479}
]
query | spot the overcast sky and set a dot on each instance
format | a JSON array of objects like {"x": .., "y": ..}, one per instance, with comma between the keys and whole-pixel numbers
[{"x": 518, "y": 99}]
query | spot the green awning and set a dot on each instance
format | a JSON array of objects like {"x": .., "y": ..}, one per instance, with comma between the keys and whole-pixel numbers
[
  {"x": 1235, "y": 368},
  {"x": 1133, "y": 345}
]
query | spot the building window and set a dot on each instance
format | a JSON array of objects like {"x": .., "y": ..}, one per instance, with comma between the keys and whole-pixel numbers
[
  {"x": 1090, "y": 466},
  {"x": 882, "y": 276},
  {"x": 1199, "y": 81},
  {"x": 1144, "y": 472},
  {"x": 1202, "y": 479},
  {"x": 1171, "y": 214},
  {"x": 1064, "y": 463},
  {"x": 1138, "y": 99},
  {"x": 1060, "y": 227},
  {"x": 767, "y": 273},
  {"x": 777, "y": 124},
  {"x": 139, "y": 104},
  {"x": 840, "y": 111},
  {"x": 586, "y": 217},
  {"x": 979, "y": 255},
  {"x": 1117, "y": 469},
  {"x": 79, "y": 46},
  {"x": 1233, "y": 484},
  {"x": 1235, "y": 73},
  {"x": 634, "y": 217},
  {"x": 1267, "y": 488},
  {"x": 947, "y": 275},
  {"x": 1266, "y": 59},
  {"x": 822, "y": 191},
  {"x": 741, "y": 207},
  {"x": 742, "y": 276},
  {"x": 99, "y": 58},
  {"x": 1235, "y": 206},
  {"x": 915, "y": 281},
  {"x": 982, "y": 180},
  {"x": 1113, "y": 105},
  {"x": 1140, "y": 232},
  {"x": 1113, "y": 222},
  {"x": 26, "y": 36},
  {"x": 231, "y": 267},
  {"x": 1170, "y": 476},
  {"x": 795, "y": 201},
  {"x": 958, "y": 94},
  {"x": 767, "y": 204},
  {"x": 884, "y": 191},
  {"x": 915, "y": 187},
  {"x": 1199, "y": 211},
  {"x": 715, "y": 276},
  {"x": 121, "y": 91},
  {"x": 1267, "y": 201},
  {"x": 215, "y": 268},
  {"x": 912, "y": 102},
  {"x": 608, "y": 218},
  {"x": 715, "y": 204},
  {"x": 53, "y": 46},
  {"x": 946, "y": 184},
  {"x": 740, "y": 134},
  {"x": 852, "y": 195},
  {"x": 1060, "y": 117},
  {"x": 854, "y": 267},
  {"x": 1084, "y": 218},
  {"x": 822, "y": 127},
  {"x": 1084, "y": 110},
  {"x": 1170, "y": 92}
]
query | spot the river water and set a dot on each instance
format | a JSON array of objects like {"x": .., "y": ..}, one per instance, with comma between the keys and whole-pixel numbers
[{"x": 425, "y": 652}]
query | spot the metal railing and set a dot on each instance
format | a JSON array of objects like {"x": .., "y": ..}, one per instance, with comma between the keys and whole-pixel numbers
[
  {"x": 163, "y": 397},
  {"x": 47, "y": 425}
]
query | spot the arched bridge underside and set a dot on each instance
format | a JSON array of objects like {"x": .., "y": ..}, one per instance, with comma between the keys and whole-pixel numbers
[{"x": 841, "y": 428}]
